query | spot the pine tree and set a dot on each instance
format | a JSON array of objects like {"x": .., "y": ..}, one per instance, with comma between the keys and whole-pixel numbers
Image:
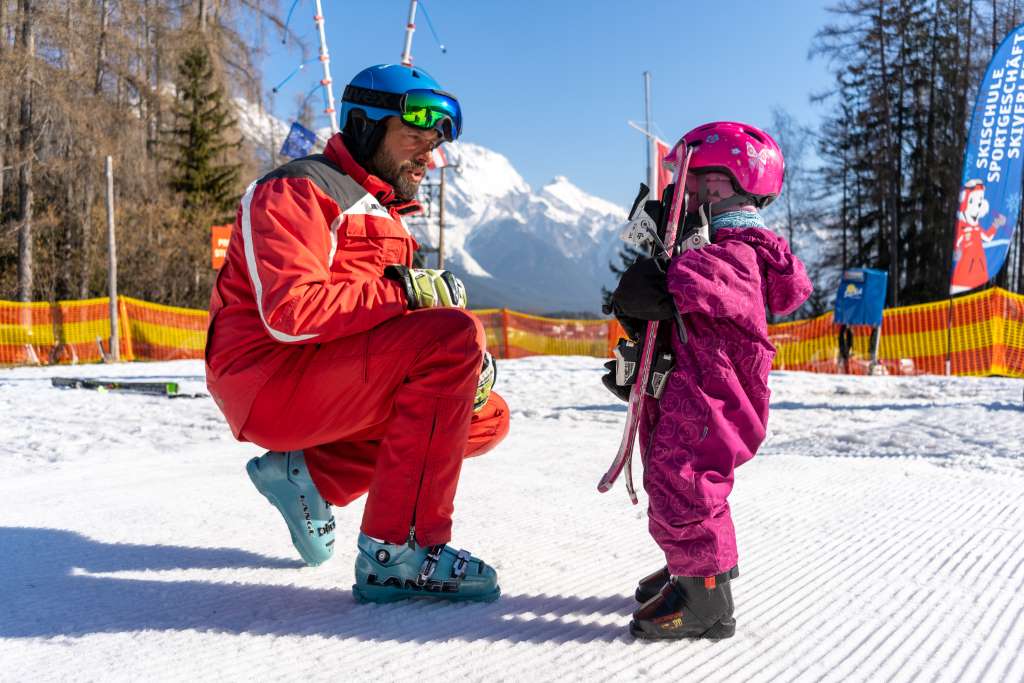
[
  {"x": 199, "y": 140},
  {"x": 627, "y": 257}
]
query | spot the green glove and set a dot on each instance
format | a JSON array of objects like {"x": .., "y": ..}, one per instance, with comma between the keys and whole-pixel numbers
[
  {"x": 429, "y": 288},
  {"x": 488, "y": 373}
]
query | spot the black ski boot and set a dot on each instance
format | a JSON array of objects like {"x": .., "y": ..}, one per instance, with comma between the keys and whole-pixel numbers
[
  {"x": 688, "y": 607},
  {"x": 650, "y": 585}
]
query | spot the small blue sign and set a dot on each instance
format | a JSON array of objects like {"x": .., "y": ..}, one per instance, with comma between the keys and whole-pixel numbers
[
  {"x": 299, "y": 143},
  {"x": 861, "y": 297}
]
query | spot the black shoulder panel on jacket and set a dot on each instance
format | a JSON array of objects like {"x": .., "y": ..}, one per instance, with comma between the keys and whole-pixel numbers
[{"x": 325, "y": 174}]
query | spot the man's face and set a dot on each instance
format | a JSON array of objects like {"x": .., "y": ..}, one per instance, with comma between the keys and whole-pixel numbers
[{"x": 401, "y": 159}]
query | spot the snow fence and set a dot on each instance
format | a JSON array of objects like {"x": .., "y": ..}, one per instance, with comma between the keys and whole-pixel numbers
[
  {"x": 986, "y": 338},
  {"x": 987, "y": 335}
]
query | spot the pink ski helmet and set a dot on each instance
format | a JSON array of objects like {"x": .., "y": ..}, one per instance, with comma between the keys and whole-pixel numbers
[{"x": 746, "y": 154}]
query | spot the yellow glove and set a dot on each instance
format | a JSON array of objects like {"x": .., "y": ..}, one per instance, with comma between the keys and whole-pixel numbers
[
  {"x": 488, "y": 373},
  {"x": 429, "y": 288}
]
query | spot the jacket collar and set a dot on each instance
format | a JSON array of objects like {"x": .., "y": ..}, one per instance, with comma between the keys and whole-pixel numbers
[{"x": 377, "y": 187}]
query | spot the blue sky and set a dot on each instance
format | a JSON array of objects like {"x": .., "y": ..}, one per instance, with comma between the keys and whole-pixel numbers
[{"x": 551, "y": 84}]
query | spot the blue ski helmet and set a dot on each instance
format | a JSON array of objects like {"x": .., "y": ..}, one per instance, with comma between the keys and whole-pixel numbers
[{"x": 409, "y": 93}]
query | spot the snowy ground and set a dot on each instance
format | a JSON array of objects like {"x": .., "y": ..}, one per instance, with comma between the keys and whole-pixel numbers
[{"x": 881, "y": 537}]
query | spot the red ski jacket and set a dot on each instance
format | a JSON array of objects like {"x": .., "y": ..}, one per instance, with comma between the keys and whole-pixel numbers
[{"x": 304, "y": 266}]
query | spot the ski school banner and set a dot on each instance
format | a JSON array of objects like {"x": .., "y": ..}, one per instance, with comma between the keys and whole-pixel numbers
[{"x": 990, "y": 187}]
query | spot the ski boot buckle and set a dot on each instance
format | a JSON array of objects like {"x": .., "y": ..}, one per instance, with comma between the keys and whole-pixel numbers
[
  {"x": 429, "y": 564},
  {"x": 461, "y": 562}
]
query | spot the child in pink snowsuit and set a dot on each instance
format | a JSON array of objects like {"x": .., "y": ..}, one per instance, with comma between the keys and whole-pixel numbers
[{"x": 712, "y": 415}]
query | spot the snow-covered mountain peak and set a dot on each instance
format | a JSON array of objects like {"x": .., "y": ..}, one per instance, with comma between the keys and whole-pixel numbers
[
  {"x": 567, "y": 196},
  {"x": 480, "y": 177}
]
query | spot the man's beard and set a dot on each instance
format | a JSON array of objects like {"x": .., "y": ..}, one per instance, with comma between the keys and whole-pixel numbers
[{"x": 387, "y": 168}]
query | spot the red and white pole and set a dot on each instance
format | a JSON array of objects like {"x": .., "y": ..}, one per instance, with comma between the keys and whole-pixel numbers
[
  {"x": 325, "y": 60},
  {"x": 410, "y": 27}
]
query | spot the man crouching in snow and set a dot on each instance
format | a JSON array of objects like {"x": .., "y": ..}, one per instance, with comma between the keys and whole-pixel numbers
[{"x": 360, "y": 373}]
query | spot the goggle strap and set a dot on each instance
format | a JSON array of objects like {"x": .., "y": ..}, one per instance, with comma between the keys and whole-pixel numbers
[
  {"x": 379, "y": 98},
  {"x": 373, "y": 98}
]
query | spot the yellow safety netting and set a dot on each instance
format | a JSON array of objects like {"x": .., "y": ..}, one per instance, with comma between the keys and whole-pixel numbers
[
  {"x": 980, "y": 334},
  {"x": 986, "y": 336}
]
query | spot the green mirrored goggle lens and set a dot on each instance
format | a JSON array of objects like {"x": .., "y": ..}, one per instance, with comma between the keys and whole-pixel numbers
[
  {"x": 419, "y": 99},
  {"x": 423, "y": 118},
  {"x": 428, "y": 109}
]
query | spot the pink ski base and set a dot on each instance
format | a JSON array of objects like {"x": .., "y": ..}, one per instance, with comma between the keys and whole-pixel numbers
[{"x": 636, "y": 397}]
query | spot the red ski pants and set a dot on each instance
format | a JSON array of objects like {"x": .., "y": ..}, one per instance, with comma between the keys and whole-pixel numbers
[{"x": 389, "y": 412}]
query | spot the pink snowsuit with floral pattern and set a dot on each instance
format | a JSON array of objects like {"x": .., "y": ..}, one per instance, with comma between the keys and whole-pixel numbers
[{"x": 714, "y": 411}]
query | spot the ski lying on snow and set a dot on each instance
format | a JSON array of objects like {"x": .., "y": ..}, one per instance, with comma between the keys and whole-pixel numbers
[{"x": 168, "y": 389}]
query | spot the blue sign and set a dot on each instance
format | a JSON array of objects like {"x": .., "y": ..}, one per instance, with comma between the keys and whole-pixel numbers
[
  {"x": 990, "y": 185},
  {"x": 861, "y": 297},
  {"x": 299, "y": 143}
]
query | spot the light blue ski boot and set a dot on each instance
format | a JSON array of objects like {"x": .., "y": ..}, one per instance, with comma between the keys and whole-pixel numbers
[
  {"x": 284, "y": 480},
  {"x": 386, "y": 572}
]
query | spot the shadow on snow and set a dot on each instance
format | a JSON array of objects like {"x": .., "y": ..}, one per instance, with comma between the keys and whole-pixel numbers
[{"x": 50, "y": 588}]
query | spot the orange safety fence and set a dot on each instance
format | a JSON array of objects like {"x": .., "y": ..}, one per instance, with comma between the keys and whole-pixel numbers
[
  {"x": 987, "y": 335},
  {"x": 517, "y": 335},
  {"x": 79, "y": 331},
  {"x": 987, "y": 338}
]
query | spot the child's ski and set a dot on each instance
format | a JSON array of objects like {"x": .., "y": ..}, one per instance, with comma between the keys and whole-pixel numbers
[{"x": 636, "y": 397}]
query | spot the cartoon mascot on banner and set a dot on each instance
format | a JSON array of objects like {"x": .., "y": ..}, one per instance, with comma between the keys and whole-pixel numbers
[{"x": 970, "y": 268}]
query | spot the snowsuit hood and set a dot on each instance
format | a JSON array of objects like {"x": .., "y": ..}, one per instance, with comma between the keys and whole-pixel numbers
[{"x": 786, "y": 283}]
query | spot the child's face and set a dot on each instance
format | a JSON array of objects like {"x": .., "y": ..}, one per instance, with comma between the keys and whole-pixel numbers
[{"x": 719, "y": 187}]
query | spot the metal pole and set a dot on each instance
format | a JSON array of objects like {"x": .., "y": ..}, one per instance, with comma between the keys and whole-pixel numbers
[
  {"x": 325, "y": 60},
  {"x": 876, "y": 340},
  {"x": 652, "y": 150},
  {"x": 949, "y": 338},
  {"x": 410, "y": 27},
  {"x": 440, "y": 224},
  {"x": 115, "y": 342}
]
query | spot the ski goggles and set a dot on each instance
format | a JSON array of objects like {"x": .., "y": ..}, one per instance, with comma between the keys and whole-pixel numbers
[
  {"x": 432, "y": 109},
  {"x": 422, "y": 109}
]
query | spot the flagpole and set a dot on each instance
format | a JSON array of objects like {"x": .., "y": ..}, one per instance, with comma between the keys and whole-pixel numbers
[
  {"x": 652, "y": 161},
  {"x": 115, "y": 339},
  {"x": 643, "y": 130},
  {"x": 440, "y": 224}
]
